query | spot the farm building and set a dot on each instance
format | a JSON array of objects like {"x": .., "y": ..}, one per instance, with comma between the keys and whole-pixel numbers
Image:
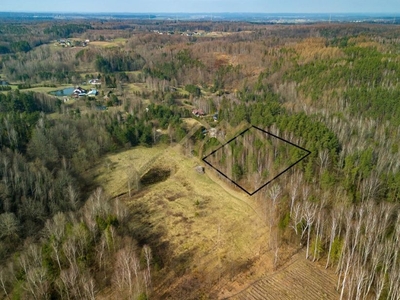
[{"x": 198, "y": 112}]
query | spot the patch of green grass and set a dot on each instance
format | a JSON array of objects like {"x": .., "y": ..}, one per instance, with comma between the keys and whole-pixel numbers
[
  {"x": 115, "y": 169},
  {"x": 120, "y": 40},
  {"x": 135, "y": 87}
]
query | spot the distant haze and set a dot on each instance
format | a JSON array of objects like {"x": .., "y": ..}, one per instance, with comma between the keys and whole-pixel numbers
[{"x": 206, "y": 6}]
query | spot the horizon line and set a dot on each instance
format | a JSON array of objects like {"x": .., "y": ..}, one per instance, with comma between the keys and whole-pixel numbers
[{"x": 199, "y": 12}]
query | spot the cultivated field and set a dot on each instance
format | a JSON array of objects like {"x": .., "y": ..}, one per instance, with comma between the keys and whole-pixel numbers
[{"x": 300, "y": 279}]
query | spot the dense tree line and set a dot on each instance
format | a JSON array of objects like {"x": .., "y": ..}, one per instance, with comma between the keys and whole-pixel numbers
[
  {"x": 75, "y": 247},
  {"x": 41, "y": 64},
  {"x": 140, "y": 128},
  {"x": 119, "y": 61},
  {"x": 20, "y": 112},
  {"x": 66, "y": 30},
  {"x": 168, "y": 70},
  {"x": 20, "y": 36}
]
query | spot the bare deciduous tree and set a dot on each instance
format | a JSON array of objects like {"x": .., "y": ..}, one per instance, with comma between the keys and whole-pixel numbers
[
  {"x": 148, "y": 257},
  {"x": 36, "y": 283},
  {"x": 309, "y": 216},
  {"x": 295, "y": 182}
]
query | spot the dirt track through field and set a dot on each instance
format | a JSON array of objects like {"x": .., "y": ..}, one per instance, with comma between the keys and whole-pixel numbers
[{"x": 301, "y": 279}]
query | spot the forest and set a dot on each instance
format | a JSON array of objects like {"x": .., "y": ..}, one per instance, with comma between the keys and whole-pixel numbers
[{"x": 332, "y": 89}]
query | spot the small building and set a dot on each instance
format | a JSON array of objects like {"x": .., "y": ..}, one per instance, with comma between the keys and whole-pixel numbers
[
  {"x": 198, "y": 112},
  {"x": 213, "y": 132},
  {"x": 199, "y": 169},
  {"x": 4, "y": 83},
  {"x": 94, "y": 81},
  {"x": 79, "y": 91}
]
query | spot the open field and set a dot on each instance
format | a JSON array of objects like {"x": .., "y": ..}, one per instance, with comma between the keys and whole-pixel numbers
[
  {"x": 209, "y": 232},
  {"x": 135, "y": 87},
  {"x": 108, "y": 44},
  {"x": 113, "y": 171},
  {"x": 43, "y": 89},
  {"x": 212, "y": 239},
  {"x": 39, "y": 89}
]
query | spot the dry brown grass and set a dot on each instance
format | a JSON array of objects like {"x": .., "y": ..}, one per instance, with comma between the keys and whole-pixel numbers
[
  {"x": 216, "y": 229},
  {"x": 113, "y": 171},
  {"x": 135, "y": 87},
  {"x": 215, "y": 236},
  {"x": 219, "y": 230},
  {"x": 119, "y": 42},
  {"x": 314, "y": 48}
]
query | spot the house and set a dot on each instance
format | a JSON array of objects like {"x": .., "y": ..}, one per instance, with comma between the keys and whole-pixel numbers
[
  {"x": 64, "y": 42},
  {"x": 94, "y": 81},
  {"x": 93, "y": 93},
  {"x": 79, "y": 91},
  {"x": 198, "y": 112}
]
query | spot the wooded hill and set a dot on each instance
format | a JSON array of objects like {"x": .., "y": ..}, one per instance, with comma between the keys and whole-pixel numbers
[{"x": 330, "y": 88}]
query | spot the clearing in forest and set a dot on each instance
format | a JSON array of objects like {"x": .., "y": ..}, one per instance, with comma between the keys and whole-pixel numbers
[
  {"x": 254, "y": 158},
  {"x": 190, "y": 222},
  {"x": 206, "y": 238}
]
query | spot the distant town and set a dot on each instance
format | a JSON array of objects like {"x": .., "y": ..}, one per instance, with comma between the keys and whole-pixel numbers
[{"x": 268, "y": 18}]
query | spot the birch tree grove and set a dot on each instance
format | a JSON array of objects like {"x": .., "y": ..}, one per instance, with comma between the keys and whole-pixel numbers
[
  {"x": 361, "y": 244},
  {"x": 73, "y": 247}
]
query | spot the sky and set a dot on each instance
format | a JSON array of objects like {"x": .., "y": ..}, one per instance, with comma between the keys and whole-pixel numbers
[{"x": 206, "y": 6}]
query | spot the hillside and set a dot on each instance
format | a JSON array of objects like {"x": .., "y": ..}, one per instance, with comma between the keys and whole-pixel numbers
[
  {"x": 212, "y": 238},
  {"x": 109, "y": 192}
]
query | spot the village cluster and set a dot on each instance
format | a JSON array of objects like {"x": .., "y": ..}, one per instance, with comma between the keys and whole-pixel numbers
[
  {"x": 187, "y": 33},
  {"x": 69, "y": 43}
]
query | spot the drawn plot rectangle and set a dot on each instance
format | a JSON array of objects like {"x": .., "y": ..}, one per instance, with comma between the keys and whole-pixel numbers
[{"x": 254, "y": 158}]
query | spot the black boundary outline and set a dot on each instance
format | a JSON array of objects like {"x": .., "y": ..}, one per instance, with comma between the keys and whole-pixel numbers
[{"x": 264, "y": 185}]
